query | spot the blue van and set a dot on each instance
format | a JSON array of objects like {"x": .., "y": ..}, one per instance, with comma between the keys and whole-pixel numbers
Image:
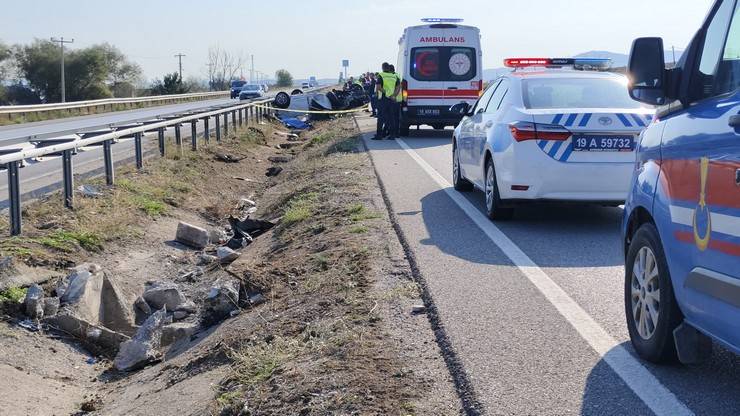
[{"x": 681, "y": 227}]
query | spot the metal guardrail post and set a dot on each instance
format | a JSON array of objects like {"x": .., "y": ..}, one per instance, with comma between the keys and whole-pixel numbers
[
  {"x": 218, "y": 128},
  {"x": 226, "y": 124},
  {"x": 194, "y": 134},
  {"x": 206, "y": 130},
  {"x": 68, "y": 179},
  {"x": 160, "y": 139},
  {"x": 251, "y": 112},
  {"x": 241, "y": 119},
  {"x": 233, "y": 119},
  {"x": 14, "y": 195},
  {"x": 178, "y": 137},
  {"x": 108, "y": 159},
  {"x": 138, "y": 152}
]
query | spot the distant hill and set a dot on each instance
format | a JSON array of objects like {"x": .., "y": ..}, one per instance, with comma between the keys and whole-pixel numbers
[{"x": 619, "y": 60}]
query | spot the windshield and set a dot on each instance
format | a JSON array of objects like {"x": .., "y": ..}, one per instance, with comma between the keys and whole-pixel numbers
[
  {"x": 237, "y": 84},
  {"x": 544, "y": 93},
  {"x": 251, "y": 87}
]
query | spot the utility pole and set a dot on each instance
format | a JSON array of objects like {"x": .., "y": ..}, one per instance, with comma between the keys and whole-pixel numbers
[
  {"x": 61, "y": 44},
  {"x": 210, "y": 76},
  {"x": 251, "y": 71},
  {"x": 179, "y": 57}
]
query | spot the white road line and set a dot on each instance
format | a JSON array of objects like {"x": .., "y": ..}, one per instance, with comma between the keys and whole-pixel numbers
[{"x": 656, "y": 396}]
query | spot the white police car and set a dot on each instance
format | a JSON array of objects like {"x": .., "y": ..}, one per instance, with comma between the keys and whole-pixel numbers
[{"x": 546, "y": 133}]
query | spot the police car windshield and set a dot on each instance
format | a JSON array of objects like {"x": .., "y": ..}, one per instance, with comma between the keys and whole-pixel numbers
[
  {"x": 544, "y": 93},
  {"x": 251, "y": 87},
  {"x": 236, "y": 84}
]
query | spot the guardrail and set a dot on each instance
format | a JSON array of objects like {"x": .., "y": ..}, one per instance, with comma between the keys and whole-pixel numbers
[
  {"x": 22, "y": 110},
  {"x": 67, "y": 147}
]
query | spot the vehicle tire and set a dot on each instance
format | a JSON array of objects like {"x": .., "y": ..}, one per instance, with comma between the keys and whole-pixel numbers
[
  {"x": 438, "y": 126},
  {"x": 282, "y": 100},
  {"x": 296, "y": 92},
  {"x": 404, "y": 130},
  {"x": 461, "y": 184},
  {"x": 646, "y": 272},
  {"x": 494, "y": 211}
]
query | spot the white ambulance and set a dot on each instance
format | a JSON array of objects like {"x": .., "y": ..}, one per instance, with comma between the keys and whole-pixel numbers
[{"x": 440, "y": 65}]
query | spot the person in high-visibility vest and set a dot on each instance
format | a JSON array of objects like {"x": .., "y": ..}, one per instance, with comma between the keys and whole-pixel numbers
[
  {"x": 388, "y": 87},
  {"x": 395, "y": 106}
]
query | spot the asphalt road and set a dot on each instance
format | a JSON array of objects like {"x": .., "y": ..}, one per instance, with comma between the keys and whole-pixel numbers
[{"x": 533, "y": 308}]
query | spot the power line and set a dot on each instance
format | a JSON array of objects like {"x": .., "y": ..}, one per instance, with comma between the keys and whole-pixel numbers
[
  {"x": 61, "y": 42},
  {"x": 179, "y": 57}
]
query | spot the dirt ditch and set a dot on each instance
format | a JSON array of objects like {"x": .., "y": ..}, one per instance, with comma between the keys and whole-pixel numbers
[{"x": 163, "y": 295}]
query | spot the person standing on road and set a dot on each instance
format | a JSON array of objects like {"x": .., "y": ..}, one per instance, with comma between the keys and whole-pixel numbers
[
  {"x": 395, "y": 106},
  {"x": 382, "y": 125},
  {"x": 370, "y": 89},
  {"x": 388, "y": 86}
]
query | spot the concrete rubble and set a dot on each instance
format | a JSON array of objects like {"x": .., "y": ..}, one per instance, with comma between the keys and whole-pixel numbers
[
  {"x": 226, "y": 255},
  {"x": 165, "y": 295},
  {"x": 145, "y": 346},
  {"x": 34, "y": 302},
  {"x": 192, "y": 235},
  {"x": 222, "y": 299}
]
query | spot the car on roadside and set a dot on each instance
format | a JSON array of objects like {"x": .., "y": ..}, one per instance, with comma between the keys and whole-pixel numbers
[
  {"x": 236, "y": 87},
  {"x": 551, "y": 130},
  {"x": 250, "y": 91},
  {"x": 305, "y": 85},
  {"x": 681, "y": 227}
]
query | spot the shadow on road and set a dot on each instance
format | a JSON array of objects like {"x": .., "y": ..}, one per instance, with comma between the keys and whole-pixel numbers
[
  {"x": 586, "y": 236},
  {"x": 707, "y": 389}
]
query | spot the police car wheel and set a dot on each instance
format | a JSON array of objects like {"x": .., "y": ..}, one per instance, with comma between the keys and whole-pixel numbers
[
  {"x": 494, "y": 211},
  {"x": 461, "y": 184},
  {"x": 650, "y": 305}
]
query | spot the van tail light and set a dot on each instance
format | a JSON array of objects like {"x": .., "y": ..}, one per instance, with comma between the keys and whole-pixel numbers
[
  {"x": 525, "y": 130},
  {"x": 405, "y": 90},
  {"x": 480, "y": 87}
]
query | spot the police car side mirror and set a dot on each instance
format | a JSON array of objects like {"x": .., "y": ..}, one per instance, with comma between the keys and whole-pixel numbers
[
  {"x": 647, "y": 72},
  {"x": 462, "y": 109}
]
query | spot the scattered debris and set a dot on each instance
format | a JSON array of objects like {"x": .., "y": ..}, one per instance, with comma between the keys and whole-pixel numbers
[
  {"x": 29, "y": 325},
  {"x": 142, "y": 310},
  {"x": 204, "y": 259},
  {"x": 246, "y": 202},
  {"x": 177, "y": 331},
  {"x": 257, "y": 299},
  {"x": 89, "y": 191},
  {"x": 34, "y": 302},
  {"x": 217, "y": 236},
  {"x": 144, "y": 347},
  {"x": 279, "y": 159},
  {"x": 191, "y": 235},
  {"x": 239, "y": 178},
  {"x": 225, "y": 157},
  {"x": 220, "y": 301},
  {"x": 51, "y": 306},
  {"x": 295, "y": 123},
  {"x": 288, "y": 145},
  {"x": 159, "y": 295},
  {"x": 226, "y": 255},
  {"x": 251, "y": 227},
  {"x": 256, "y": 131},
  {"x": 273, "y": 171},
  {"x": 418, "y": 309}
]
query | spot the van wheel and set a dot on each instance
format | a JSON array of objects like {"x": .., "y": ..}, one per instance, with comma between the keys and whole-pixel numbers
[
  {"x": 404, "y": 130},
  {"x": 438, "y": 126},
  {"x": 460, "y": 184},
  {"x": 494, "y": 211},
  {"x": 650, "y": 305}
]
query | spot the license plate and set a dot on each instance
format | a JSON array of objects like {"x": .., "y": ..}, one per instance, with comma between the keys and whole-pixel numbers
[
  {"x": 427, "y": 112},
  {"x": 603, "y": 143}
]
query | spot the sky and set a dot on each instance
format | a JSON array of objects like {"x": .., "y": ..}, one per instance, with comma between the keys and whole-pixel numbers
[{"x": 311, "y": 37}]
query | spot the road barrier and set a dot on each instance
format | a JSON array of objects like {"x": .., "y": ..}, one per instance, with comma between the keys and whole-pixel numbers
[
  {"x": 11, "y": 111},
  {"x": 66, "y": 147}
]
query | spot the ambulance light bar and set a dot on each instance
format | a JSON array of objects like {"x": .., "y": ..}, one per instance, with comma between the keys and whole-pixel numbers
[
  {"x": 441, "y": 20},
  {"x": 585, "y": 64}
]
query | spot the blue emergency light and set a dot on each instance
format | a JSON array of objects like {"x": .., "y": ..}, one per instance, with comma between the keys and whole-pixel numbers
[{"x": 441, "y": 20}]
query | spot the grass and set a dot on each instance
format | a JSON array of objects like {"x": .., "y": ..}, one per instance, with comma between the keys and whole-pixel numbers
[
  {"x": 358, "y": 229},
  {"x": 358, "y": 212},
  {"x": 13, "y": 294},
  {"x": 68, "y": 241},
  {"x": 300, "y": 208},
  {"x": 321, "y": 138}
]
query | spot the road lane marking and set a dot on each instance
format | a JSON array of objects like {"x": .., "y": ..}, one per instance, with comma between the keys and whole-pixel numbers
[{"x": 642, "y": 382}]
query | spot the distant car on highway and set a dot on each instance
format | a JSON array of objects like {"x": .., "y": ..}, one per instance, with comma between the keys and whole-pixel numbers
[
  {"x": 305, "y": 85},
  {"x": 251, "y": 91},
  {"x": 236, "y": 87},
  {"x": 681, "y": 228},
  {"x": 542, "y": 134}
]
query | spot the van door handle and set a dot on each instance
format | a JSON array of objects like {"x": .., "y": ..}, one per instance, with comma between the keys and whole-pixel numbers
[
  {"x": 451, "y": 88},
  {"x": 735, "y": 121}
]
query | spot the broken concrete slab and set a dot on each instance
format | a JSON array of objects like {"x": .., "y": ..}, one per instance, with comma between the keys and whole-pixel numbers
[
  {"x": 97, "y": 338},
  {"x": 191, "y": 235},
  {"x": 17, "y": 274},
  {"x": 222, "y": 299},
  {"x": 142, "y": 310},
  {"x": 51, "y": 306},
  {"x": 163, "y": 295},
  {"x": 34, "y": 302},
  {"x": 226, "y": 255},
  {"x": 177, "y": 331},
  {"x": 144, "y": 347}
]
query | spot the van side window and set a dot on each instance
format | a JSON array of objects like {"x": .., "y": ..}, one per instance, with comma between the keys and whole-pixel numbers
[
  {"x": 483, "y": 100},
  {"x": 495, "y": 102},
  {"x": 714, "y": 75}
]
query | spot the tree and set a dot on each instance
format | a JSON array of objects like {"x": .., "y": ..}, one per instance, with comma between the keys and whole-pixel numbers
[
  {"x": 223, "y": 67},
  {"x": 283, "y": 77},
  {"x": 171, "y": 84},
  {"x": 90, "y": 73}
]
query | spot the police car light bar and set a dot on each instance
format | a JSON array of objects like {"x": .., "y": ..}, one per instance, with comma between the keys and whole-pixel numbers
[
  {"x": 441, "y": 20},
  {"x": 598, "y": 64}
]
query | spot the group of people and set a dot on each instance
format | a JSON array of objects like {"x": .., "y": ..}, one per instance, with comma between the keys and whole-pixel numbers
[{"x": 384, "y": 89}]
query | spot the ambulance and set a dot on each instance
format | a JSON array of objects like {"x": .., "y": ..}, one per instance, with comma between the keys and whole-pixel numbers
[{"x": 440, "y": 65}]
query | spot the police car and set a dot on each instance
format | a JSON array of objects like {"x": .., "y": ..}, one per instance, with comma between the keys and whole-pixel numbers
[
  {"x": 551, "y": 130},
  {"x": 681, "y": 225}
]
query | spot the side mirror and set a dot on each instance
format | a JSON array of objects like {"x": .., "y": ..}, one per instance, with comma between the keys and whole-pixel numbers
[
  {"x": 460, "y": 108},
  {"x": 647, "y": 71}
]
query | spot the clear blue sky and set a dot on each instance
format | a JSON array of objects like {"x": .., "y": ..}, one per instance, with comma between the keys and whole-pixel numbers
[{"x": 310, "y": 37}]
